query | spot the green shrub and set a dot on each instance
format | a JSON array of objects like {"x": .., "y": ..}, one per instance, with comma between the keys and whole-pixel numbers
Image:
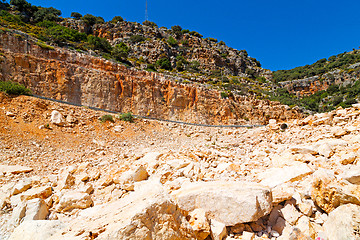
[
  {"x": 99, "y": 20},
  {"x": 320, "y": 67},
  {"x": 181, "y": 63},
  {"x": 89, "y": 19},
  {"x": 194, "y": 65},
  {"x": 128, "y": 117},
  {"x": 164, "y": 63},
  {"x": 224, "y": 94},
  {"x": 120, "y": 51},
  {"x": 106, "y": 118},
  {"x": 196, "y": 34},
  {"x": 150, "y": 67},
  {"x": 47, "y": 14},
  {"x": 14, "y": 88},
  {"x": 150, "y": 24},
  {"x": 60, "y": 34},
  {"x": 98, "y": 43},
  {"x": 137, "y": 38},
  {"x": 117, "y": 19},
  {"x": 44, "y": 45},
  {"x": 185, "y": 31},
  {"x": 171, "y": 41},
  {"x": 177, "y": 30},
  {"x": 76, "y": 15}
]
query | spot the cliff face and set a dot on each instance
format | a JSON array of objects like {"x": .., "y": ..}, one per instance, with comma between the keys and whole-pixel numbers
[{"x": 91, "y": 81}]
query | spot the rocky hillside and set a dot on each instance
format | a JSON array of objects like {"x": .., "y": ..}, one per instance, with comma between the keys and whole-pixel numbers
[
  {"x": 153, "y": 180},
  {"x": 92, "y": 81},
  {"x": 129, "y": 67},
  {"x": 322, "y": 86}
]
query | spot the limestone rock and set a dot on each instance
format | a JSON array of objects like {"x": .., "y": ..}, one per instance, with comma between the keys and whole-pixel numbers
[
  {"x": 248, "y": 235},
  {"x": 66, "y": 180},
  {"x": 18, "y": 214},
  {"x": 343, "y": 223},
  {"x": 277, "y": 176},
  {"x": 227, "y": 202},
  {"x": 74, "y": 200},
  {"x": 150, "y": 159},
  {"x": 135, "y": 175},
  {"x": 36, "y": 209},
  {"x": 303, "y": 149},
  {"x": 339, "y": 132},
  {"x": 146, "y": 213},
  {"x": 329, "y": 194},
  {"x": 306, "y": 207},
  {"x": 352, "y": 174},
  {"x": 38, "y": 192},
  {"x": 218, "y": 230},
  {"x": 22, "y": 186},
  {"x": 348, "y": 158},
  {"x": 290, "y": 214},
  {"x": 282, "y": 193},
  {"x": 199, "y": 223},
  {"x": 118, "y": 128},
  {"x": 325, "y": 150},
  {"x": 57, "y": 118},
  {"x": 36, "y": 230},
  {"x": 14, "y": 169}
]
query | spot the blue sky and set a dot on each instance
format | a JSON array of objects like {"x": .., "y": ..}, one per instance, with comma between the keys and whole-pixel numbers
[{"x": 280, "y": 34}]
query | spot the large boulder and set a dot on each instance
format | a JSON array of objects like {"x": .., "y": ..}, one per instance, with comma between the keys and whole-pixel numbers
[
  {"x": 227, "y": 202},
  {"x": 36, "y": 230},
  {"x": 146, "y": 213},
  {"x": 343, "y": 223}
]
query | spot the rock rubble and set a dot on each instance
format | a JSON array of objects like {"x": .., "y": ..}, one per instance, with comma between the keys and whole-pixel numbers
[{"x": 153, "y": 180}]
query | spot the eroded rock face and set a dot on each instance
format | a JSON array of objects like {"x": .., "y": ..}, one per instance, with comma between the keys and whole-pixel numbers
[
  {"x": 90, "y": 81},
  {"x": 227, "y": 202}
]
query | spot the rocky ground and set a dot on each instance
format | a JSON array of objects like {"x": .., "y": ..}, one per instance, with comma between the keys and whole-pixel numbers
[{"x": 66, "y": 175}]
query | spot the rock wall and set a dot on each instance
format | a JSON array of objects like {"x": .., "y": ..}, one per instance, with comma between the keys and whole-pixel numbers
[{"x": 91, "y": 81}]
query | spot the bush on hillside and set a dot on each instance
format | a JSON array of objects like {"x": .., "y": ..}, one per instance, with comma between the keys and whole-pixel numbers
[
  {"x": 172, "y": 42},
  {"x": 76, "y": 15},
  {"x": 106, "y": 118},
  {"x": 128, "y": 117},
  {"x": 150, "y": 24},
  {"x": 117, "y": 19},
  {"x": 164, "y": 63},
  {"x": 137, "y": 38},
  {"x": 97, "y": 43},
  {"x": 120, "y": 51},
  {"x": 14, "y": 88}
]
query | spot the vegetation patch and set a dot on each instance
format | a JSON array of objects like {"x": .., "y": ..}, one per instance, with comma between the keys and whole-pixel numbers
[
  {"x": 14, "y": 88},
  {"x": 106, "y": 118},
  {"x": 128, "y": 117}
]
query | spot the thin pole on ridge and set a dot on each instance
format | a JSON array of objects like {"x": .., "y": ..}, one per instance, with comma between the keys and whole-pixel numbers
[{"x": 146, "y": 11}]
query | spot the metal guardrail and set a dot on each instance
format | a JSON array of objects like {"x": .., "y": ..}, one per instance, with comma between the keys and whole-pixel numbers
[{"x": 150, "y": 118}]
